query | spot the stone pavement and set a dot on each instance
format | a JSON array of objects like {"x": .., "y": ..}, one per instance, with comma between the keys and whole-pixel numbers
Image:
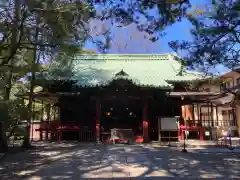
[
  {"x": 189, "y": 143},
  {"x": 70, "y": 161},
  {"x": 210, "y": 150}
]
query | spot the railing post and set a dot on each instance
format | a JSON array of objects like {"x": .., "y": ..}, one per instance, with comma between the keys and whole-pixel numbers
[
  {"x": 212, "y": 113},
  {"x": 98, "y": 115},
  {"x": 169, "y": 138},
  {"x": 200, "y": 115}
]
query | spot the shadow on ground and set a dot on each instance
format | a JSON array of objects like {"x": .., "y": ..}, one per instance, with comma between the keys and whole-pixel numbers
[{"x": 89, "y": 161}]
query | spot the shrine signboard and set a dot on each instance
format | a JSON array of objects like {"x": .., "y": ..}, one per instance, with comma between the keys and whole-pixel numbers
[{"x": 168, "y": 123}]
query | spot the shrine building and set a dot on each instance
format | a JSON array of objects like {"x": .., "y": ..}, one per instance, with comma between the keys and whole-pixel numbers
[{"x": 141, "y": 92}]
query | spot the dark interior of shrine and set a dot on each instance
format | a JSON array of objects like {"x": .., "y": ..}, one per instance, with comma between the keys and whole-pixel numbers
[
  {"x": 122, "y": 115},
  {"x": 127, "y": 114}
]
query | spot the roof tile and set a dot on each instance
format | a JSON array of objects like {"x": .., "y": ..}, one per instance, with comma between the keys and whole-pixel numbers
[{"x": 143, "y": 69}]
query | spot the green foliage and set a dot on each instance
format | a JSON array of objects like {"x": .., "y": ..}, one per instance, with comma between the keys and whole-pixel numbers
[
  {"x": 12, "y": 113},
  {"x": 61, "y": 26},
  {"x": 216, "y": 36},
  {"x": 32, "y": 28}
]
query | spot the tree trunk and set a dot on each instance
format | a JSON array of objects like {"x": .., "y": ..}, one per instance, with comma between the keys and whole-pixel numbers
[
  {"x": 8, "y": 86},
  {"x": 3, "y": 139},
  {"x": 7, "y": 91},
  {"x": 8, "y": 74},
  {"x": 26, "y": 140}
]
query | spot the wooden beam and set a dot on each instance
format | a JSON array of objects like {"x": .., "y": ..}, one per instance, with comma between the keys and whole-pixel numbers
[{"x": 121, "y": 98}]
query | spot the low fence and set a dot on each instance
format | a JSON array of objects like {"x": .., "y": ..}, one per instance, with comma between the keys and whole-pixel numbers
[{"x": 54, "y": 131}]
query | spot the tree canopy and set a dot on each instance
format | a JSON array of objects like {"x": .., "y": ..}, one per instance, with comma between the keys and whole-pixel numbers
[
  {"x": 62, "y": 24},
  {"x": 150, "y": 16},
  {"x": 125, "y": 12},
  {"x": 47, "y": 25},
  {"x": 216, "y": 36}
]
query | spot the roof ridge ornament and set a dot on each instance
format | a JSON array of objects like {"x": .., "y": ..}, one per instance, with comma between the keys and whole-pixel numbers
[{"x": 121, "y": 74}]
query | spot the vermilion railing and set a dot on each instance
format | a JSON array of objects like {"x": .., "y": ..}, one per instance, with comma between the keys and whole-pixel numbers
[
  {"x": 59, "y": 128},
  {"x": 68, "y": 127},
  {"x": 52, "y": 126}
]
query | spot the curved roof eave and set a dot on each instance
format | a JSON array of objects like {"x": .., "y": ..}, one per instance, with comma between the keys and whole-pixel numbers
[{"x": 108, "y": 82}]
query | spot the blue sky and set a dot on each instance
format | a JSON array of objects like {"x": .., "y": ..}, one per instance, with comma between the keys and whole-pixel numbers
[{"x": 130, "y": 40}]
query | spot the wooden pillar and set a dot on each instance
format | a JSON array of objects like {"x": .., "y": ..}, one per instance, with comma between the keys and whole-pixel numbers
[
  {"x": 200, "y": 115},
  {"x": 41, "y": 134},
  {"x": 212, "y": 115},
  {"x": 193, "y": 115},
  {"x": 193, "y": 112},
  {"x": 201, "y": 134},
  {"x": 59, "y": 134},
  {"x": 217, "y": 114},
  {"x": 54, "y": 113},
  {"x": 233, "y": 116},
  {"x": 33, "y": 119},
  {"x": 145, "y": 122},
  {"x": 208, "y": 120},
  {"x": 52, "y": 135},
  {"x": 186, "y": 113},
  {"x": 48, "y": 119},
  {"x": 98, "y": 115},
  {"x": 179, "y": 130}
]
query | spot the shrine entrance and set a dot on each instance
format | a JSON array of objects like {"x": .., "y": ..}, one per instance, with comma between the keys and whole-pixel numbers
[{"x": 125, "y": 114}]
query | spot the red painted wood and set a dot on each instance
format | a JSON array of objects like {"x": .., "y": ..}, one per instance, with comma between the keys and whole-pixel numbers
[
  {"x": 201, "y": 133},
  {"x": 68, "y": 127},
  {"x": 139, "y": 139},
  {"x": 191, "y": 128},
  {"x": 145, "y": 122},
  {"x": 98, "y": 115}
]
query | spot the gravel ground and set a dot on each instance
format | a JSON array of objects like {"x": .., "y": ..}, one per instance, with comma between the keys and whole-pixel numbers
[{"x": 70, "y": 161}]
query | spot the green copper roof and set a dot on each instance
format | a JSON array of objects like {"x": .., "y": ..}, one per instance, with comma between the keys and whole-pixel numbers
[{"x": 143, "y": 69}]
